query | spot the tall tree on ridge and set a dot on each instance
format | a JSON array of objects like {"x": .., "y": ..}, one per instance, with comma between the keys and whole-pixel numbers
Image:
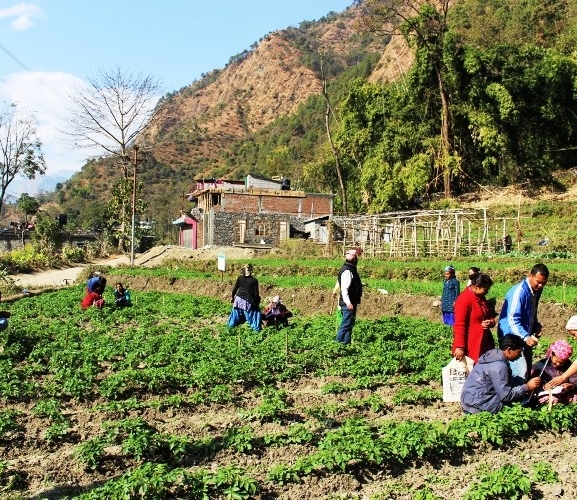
[{"x": 423, "y": 24}]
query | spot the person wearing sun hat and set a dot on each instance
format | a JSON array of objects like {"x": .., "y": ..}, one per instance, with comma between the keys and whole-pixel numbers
[
  {"x": 571, "y": 328},
  {"x": 451, "y": 290},
  {"x": 350, "y": 289},
  {"x": 556, "y": 363}
]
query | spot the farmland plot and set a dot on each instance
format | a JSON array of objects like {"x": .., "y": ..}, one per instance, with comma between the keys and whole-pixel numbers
[{"x": 161, "y": 400}]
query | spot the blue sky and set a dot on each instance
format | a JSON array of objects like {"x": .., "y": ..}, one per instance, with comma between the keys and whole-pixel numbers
[{"x": 49, "y": 47}]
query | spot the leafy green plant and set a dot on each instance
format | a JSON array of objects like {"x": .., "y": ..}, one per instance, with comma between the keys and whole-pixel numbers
[
  {"x": 273, "y": 406},
  {"x": 507, "y": 482},
  {"x": 409, "y": 395},
  {"x": 543, "y": 472},
  {"x": 239, "y": 439},
  {"x": 8, "y": 422},
  {"x": 90, "y": 452}
]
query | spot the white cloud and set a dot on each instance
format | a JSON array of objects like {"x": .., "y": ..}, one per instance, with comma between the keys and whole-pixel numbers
[
  {"x": 22, "y": 14},
  {"x": 45, "y": 95}
]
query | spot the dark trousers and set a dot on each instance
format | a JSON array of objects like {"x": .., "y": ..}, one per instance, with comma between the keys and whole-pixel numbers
[{"x": 346, "y": 328}]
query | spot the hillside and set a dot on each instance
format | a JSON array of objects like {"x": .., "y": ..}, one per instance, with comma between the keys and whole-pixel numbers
[
  {"x": 201, "y": 126},
  {"x": 264, "y": 113}
]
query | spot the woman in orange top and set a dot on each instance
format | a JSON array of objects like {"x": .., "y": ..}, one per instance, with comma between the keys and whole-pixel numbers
[{"x": 473, "y": 319}]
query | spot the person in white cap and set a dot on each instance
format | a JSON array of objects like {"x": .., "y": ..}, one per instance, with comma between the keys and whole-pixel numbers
[
  {"x": 572, "y": 370},
  {"x": 276, "y": 313},
  {"x": 351, "y": 289}
]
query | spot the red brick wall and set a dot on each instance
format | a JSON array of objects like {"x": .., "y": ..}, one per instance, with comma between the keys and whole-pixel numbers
[
  {"x": 315, "y": 205},
  {"x": 234, "y": 203}
]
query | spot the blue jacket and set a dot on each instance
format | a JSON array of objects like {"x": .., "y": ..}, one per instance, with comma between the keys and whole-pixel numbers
[
  {"x": 488, "y": 387},
  {"x": 517, "y": 311}
]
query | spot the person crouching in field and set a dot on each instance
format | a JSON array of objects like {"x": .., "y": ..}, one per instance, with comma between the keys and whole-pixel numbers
[
  {"x": 557, "y": 360},
  {"x": 94, "y": 297},
  {"x": 246, "y": 300},
  {"x": 276, "y": 313},
  {"x": 121, "y": 296},
  {"x": 4, "y": 315},
  {"x": 489, "y": 386},
  {"x": 571, "y": 328}
]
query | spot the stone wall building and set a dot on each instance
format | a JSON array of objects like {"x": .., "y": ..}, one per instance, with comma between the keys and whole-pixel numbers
[{"x": 258, "y": 211}]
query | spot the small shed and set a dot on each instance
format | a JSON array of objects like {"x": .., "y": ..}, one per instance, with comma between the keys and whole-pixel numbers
[
  {"x": 187, "y": 231},
  {"x": 317, "y": 228}
]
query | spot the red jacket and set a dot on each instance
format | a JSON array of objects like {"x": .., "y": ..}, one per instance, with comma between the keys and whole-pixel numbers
[
  {"x": 468, "y": 334},
  {"x": 92, "y": 298}
]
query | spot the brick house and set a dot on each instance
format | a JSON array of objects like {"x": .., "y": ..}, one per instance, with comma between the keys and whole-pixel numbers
[{"x": 256, "y": 211}]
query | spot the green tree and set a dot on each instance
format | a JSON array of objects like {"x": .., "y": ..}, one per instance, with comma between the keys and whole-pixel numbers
[
  {"x": 46, "y": 234},
  {"x": 423, "y": 24},
  {"x": 118, "y": 217},
  {"x": 28, "y": 205},
  {"x": 20, "y": 149}
]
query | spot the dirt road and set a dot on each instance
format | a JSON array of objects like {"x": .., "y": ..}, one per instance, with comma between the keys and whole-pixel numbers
[{"x": 61, "y": 277}]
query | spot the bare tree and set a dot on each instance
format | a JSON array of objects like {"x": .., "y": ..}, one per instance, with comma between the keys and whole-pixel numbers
[
  {"x": 110, "y": 113},
  {"x": 21, "y": 150}
]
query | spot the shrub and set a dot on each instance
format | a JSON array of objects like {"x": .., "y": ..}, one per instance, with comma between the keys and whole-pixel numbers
[{"x": 71, "y": 253}]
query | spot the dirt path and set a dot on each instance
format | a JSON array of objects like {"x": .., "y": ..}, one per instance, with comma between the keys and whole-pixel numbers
[{"x": 62, "y": 277}]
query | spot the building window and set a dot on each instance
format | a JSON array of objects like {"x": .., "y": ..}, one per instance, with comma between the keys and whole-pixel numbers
[{"x": 262, "y": 228}]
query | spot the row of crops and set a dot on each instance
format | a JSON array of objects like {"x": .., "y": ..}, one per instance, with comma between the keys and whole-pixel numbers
[
  {"x": 162, "y": 400},
  {"x": 418, "y": 277}
]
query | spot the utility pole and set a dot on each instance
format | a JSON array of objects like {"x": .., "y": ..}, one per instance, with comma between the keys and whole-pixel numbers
[{"x": 134, "y": 165}]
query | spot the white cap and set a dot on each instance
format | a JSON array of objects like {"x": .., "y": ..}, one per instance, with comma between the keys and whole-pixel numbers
[
  {"x": 572, "y": 323},
  {"x": 276, "y": 299}
]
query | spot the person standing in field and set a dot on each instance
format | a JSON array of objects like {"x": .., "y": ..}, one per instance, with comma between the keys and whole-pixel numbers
[
  {"x": 246, "y": 301},
  {"x": 519, "y": 316},
  {"x": 473, "y": 319},
  {"x": 473, "y": 273},
  {"x": 451, "y": 290},
  {"x": 350, "y": 289}
]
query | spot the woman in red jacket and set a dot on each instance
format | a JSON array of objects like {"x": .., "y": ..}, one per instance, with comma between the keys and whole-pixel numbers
[{"x": 474, "y": 317}]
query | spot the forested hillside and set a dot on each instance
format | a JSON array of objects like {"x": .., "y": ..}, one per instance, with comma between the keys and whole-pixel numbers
[{"x": 419, "y": 97}]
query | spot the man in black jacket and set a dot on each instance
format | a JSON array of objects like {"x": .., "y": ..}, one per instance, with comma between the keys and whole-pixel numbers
[
  {"x": 246, "y": 301},
  {"x": 351, "y": 289}
]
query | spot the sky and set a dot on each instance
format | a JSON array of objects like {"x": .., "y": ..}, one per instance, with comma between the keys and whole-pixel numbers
[{"x": 48, "y": 48}]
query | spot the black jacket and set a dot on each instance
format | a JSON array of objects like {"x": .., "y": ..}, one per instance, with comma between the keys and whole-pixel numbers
[
  {"x": 356, "y": 288},
  {"x": 246, "y": 287}
]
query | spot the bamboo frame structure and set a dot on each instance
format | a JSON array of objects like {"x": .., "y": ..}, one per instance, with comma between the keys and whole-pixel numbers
[{"x": 418, "y": 233}]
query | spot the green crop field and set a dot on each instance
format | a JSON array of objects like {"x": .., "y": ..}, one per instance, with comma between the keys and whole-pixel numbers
[{"x": 162, "y": 400}]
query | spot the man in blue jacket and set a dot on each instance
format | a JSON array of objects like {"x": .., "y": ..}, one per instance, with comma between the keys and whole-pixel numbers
[
  {"x": 489, "y": 386},
  {"x": 519, "y": 316}
]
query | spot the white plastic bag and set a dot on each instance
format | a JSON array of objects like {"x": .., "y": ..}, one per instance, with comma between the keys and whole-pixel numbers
[{"x": 454, "y": 375}]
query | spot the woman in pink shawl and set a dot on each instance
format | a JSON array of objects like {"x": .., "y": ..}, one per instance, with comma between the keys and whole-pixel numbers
[{"x": 557, "y": 360}]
